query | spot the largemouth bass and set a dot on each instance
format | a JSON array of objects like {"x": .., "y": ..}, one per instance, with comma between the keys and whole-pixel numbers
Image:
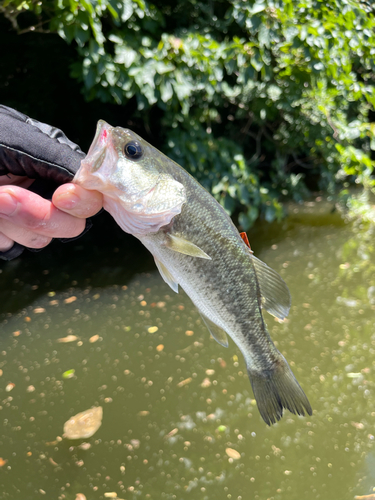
[{"x": 196, "y": 245}]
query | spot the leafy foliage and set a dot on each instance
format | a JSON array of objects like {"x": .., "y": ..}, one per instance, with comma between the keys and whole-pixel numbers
[{"x": 259, "y": 99}]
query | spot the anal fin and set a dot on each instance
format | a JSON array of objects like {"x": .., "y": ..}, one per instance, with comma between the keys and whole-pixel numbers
[
  {"x": 166, "y": 275},
  {"x": 217, "y": 333}
]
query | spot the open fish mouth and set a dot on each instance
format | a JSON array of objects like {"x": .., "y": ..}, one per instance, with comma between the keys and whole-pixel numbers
[
  {"x": 102, "y": 136},
  {"x": 96, "y": 155},
  {"x": 98, "y": 149}
]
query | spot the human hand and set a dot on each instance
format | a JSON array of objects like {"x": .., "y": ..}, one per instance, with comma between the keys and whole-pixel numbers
[{"x": 33, "y": 221}]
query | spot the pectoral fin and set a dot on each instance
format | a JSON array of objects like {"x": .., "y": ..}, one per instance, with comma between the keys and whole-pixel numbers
[
  {"x": 218, "y": 333},
  {"x": 184, "y": 246},
  {"x": 275, "y": 292},
  {"x": 166, "y": 275}
]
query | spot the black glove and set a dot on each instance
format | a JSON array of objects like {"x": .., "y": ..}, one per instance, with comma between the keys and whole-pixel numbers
[{"x": 37, "y": 151}]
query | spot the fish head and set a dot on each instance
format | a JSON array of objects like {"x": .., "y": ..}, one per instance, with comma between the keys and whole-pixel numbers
[
  {"x": 117, "y": 160},
  {"x": 130, "y": 173}
]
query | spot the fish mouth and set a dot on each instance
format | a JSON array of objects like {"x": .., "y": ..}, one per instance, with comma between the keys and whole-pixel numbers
[
  {"x": 102, "y": 137},
  {"x": 85, "y": 175}
]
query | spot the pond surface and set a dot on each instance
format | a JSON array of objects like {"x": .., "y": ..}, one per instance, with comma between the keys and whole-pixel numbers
[{"x": 179, "y": 419}]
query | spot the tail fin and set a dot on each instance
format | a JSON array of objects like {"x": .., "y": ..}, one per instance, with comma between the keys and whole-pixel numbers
[{"x": 275, "y": 389}]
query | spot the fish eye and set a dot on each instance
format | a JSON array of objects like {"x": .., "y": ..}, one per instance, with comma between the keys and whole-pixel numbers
[{"x": 133, "y": 150}]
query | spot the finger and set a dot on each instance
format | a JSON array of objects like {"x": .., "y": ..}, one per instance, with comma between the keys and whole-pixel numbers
[
  {"x": 77, "y": 201},
  {"x": 5, "y": 243},
  {"x": 23, "y": 236},
  {"x": 30, "y": 211}
]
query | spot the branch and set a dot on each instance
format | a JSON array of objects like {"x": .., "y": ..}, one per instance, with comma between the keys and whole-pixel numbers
[
  {"x": 11, "y": 14},
  {"x": 12, "y": 18},
  {"x": 35, "y": 28},
  {"x": 300, "y": 163}
]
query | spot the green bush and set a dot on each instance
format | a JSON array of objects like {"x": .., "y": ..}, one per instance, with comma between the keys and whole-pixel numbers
[{"x": 260, "y": 100}]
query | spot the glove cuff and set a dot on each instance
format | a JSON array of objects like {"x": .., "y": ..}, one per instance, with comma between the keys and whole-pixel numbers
[{"x": 35, "y": 149}]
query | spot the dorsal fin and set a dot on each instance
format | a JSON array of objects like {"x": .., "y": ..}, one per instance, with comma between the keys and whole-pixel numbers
[
  {"x": 275, "y": 292},
  {"x": 217, "y": 333}
]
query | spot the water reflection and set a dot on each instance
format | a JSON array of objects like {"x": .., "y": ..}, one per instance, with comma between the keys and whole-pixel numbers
[{"x": 174, "y": 401}]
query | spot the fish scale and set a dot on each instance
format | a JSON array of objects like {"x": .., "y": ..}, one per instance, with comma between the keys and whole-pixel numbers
[
  {"x": 196, "y": 246},
  {"x": 229, "y": 275}
]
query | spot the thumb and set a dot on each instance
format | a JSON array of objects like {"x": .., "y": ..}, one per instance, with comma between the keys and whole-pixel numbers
[{"x": 77, "y": 201}]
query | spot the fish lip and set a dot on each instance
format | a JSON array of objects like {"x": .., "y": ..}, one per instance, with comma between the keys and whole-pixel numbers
[
  {"x": 101, "y": 141},
  {"x": 102, "y": 134},
  {"x": 92, "y": 162}
]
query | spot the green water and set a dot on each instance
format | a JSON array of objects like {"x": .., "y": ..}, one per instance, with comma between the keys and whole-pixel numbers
[{"x": 163, "y": 439}]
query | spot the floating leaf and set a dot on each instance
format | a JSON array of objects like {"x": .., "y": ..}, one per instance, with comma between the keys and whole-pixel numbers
[
  {"x": 184, "y": 382},
  {"x": 152, "y": 329},
  {"x": 71, "y": 299},
  {"x": 68, "y": 374},
  {"x": 84, "y": 446},
  {"x": 172, "y": 433},
  {"x": 232, "y": 453},
  {"x": 206, "y": 383},
  {"x": 84, "y": 424},
  {"x": 68, "y": 338}
]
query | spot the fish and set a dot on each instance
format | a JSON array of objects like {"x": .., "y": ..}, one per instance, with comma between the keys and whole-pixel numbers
[{"x": 196, "y": 246}]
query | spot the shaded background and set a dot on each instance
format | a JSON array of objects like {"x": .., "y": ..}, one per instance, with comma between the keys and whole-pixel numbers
[{"x": 35, "y": 79}]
